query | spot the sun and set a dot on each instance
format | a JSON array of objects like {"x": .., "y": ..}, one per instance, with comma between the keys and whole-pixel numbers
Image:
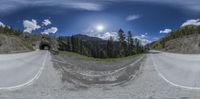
[{"x": 100, "y": 27}]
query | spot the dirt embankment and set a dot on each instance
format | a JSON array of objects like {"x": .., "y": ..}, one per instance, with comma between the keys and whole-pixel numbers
[
  {"x": 13, "y": 44},
  {"x": 187, "y": 45}
]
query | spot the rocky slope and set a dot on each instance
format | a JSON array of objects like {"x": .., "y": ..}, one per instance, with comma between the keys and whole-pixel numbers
[
  {"x": 185, "y": 40},
  {"x": 188, "y": 45},
  {"x": 13, "y": 44}
]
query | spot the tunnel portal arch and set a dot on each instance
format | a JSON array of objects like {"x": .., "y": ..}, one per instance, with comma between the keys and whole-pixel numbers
[{"x": 45, "y": 46}]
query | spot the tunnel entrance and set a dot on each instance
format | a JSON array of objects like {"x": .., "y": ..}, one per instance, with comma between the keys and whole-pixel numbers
[{"x": 44, "y": 46}]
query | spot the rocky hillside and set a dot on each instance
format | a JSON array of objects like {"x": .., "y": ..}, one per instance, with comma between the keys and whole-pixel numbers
[
  {"x": 13, "y": 44},
  {"x": 14, "y": 41},
  {"x": 185, "y": 40},
  {"x": 188, "y": 44}
]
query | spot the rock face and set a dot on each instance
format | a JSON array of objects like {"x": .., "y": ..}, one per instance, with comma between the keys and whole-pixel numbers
[
  {"x": 39, "y": 41},
  {"x": 188, "y": 44},
  {"x": 48, "y": 44},
  {"x": 13, "y": 44}
]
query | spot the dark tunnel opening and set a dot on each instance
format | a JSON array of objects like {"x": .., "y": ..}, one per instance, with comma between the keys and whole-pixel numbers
[{"x": 45, "y": 46}]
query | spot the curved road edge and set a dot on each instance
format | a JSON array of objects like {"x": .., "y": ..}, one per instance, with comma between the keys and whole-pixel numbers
[
  {"x": 32, "y": 79},
  {"x": 168, "y": 81}
]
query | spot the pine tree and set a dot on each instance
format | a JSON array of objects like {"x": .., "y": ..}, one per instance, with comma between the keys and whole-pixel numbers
[
  {"x": 137, "y": 46},
  {"x": 110, "y": 48},
  {"x": 130, "y": 43},
  {"x": 122, "y": 42}
]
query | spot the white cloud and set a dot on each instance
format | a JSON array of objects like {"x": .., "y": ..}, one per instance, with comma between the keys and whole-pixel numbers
[
  {"x": 191, "y": 22},
  {"x": 107, "y": 35},
  {"x": 143, "y": 38},
  {"x": 50, "y": 30},
  {"x": 104, "y": 36},
  {"x": 46, "y": 22},
  {"x": 165, "y": 31},
  {"x": 145, "y": 41},
  {"x": 132, "y": 17},
  {"x": 30, "y": 25},
  {"x": 2, "y": 24}
]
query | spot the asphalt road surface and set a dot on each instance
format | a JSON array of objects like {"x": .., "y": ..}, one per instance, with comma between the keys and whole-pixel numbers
[
  {"x": 177, "y": 69},
  {"x": 18, "y": 70},
  {"x": 161, "y": 76}
]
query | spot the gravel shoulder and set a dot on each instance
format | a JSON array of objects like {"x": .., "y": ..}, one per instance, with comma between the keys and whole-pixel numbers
[{"x": 87, "y": 73}]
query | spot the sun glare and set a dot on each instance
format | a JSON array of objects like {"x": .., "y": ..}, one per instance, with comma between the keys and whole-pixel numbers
[{"x": 100, "y": 27}]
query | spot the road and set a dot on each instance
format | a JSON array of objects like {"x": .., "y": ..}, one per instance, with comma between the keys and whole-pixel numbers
[
  {"x": 161, "y": 76},
  {"x": 18, "y": 70},
  {"x": 177, "y": 69}
]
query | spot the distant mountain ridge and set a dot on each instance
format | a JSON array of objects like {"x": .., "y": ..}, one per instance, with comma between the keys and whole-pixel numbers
[
  {"x": 99, "y": 48},
  {"x": 88, "y": 38}
]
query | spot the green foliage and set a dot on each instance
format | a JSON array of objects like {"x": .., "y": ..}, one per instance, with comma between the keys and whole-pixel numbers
[
  {"x": 9, "y": 31},
  {"x": 100, "y": 48},
  {"x": 130, "y": 43},
  {"x": 110, "y": 48},
  {"x": 122, "y": 42}
]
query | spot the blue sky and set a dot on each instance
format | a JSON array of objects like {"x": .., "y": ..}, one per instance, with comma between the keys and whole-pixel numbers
[{"x": 147, "y": 19}]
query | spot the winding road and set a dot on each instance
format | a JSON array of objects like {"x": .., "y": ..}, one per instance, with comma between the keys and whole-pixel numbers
[
  {"x": 178, "y": 69},
  {"x": 162, "y": 76},
  {"x": 18, "y": 70}
]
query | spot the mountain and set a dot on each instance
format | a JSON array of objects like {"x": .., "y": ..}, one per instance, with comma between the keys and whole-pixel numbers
[
  {"x": 98, "y": 48},
  {"x": 89, "y": 38},
  {"x": 103, "y": 35},
  {"x": 184, "y": 40}
]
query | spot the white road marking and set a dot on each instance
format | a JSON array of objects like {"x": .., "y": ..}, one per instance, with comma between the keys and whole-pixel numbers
[
  {"x": 165, "y": 79},
  {"x": 30, "y": 81}
]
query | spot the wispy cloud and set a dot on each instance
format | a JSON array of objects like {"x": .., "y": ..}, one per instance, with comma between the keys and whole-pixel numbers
[
  {"x": 12, "y": 5},
  {"x": 92, "y": 5},
  {"x": 191, "y": 22},
  {"x": 185, "y": 4},
  {"x": 86, "y": 6},
  {"x": 132, "y": 17},
  {"x": 165, "y": 31}
]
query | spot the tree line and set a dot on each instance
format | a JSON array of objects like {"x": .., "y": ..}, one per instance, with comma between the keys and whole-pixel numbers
[
  {"x": 125, "y": 46},
  {"x": 9, "y": 31},
  {"x": 92, "y": 47}
]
